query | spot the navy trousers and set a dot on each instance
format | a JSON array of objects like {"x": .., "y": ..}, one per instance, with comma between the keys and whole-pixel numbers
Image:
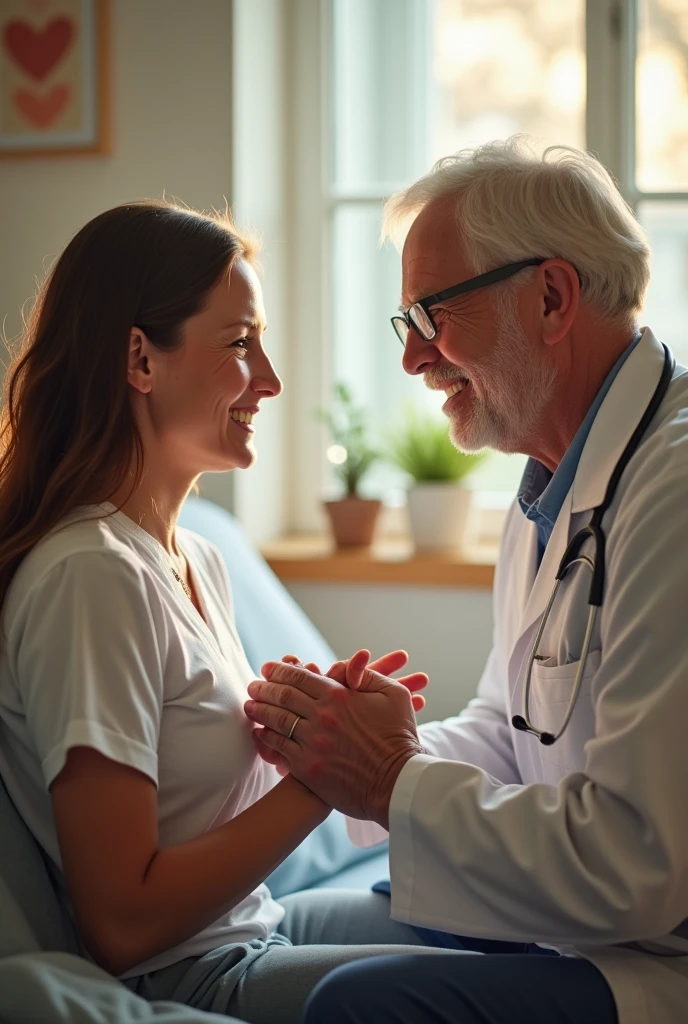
[{"x": 503, "y": 983}]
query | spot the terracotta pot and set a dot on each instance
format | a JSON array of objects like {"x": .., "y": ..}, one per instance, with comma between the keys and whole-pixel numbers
[{"x": 353, "y": 520}]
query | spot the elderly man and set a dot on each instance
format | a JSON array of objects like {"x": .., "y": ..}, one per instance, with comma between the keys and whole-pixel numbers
[{"x": 549, "y": 820}]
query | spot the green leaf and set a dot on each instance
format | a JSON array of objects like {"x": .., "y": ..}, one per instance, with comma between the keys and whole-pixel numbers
[{"x": 423, "y": 449}]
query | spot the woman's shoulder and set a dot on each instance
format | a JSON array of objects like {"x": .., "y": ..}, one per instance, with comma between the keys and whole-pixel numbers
[{"x": 89, "y": 545}]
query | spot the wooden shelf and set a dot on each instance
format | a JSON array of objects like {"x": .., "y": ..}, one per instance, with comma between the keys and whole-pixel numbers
[{"x": 391, "y": 561}]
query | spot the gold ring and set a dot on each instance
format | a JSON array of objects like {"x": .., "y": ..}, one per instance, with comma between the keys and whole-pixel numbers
[{"x": 296, "y": 722}]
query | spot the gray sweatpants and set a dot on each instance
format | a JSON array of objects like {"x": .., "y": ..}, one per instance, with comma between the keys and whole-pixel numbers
[{"x": 268, "y": 982}]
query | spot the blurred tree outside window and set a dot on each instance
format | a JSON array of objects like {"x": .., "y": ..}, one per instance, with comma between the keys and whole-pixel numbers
[{"x": 661, "y": 159}]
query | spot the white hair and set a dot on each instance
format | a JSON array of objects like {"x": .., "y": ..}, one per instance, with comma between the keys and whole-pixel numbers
[{"x": 513, "y": 202}]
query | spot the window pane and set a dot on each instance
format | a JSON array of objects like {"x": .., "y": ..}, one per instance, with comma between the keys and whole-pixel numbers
[
  {"x": 381, "y": 52},
  {"x": 666, "y": 307},
  {"x": 414, "y": 80},
  {"x": 506, "y": 67},
  {"x": 662, "y": 96}
]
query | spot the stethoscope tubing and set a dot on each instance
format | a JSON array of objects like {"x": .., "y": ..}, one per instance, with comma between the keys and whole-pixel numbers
[{"x": 572, "y": 557}]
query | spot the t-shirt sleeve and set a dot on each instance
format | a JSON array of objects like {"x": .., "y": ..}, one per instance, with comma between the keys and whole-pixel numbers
[{"x": 89, "y": 663}]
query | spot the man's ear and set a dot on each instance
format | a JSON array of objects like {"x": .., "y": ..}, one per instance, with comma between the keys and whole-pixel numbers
[
  {"x": 138, "y": 368},
  {"x": 560, "y": 300}
]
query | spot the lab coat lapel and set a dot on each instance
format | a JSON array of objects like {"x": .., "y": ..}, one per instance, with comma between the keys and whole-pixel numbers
[{"x": 620, "y": 413}]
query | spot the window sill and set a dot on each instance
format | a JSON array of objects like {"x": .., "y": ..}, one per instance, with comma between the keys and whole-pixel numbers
[{"x": 389, "y": 561}]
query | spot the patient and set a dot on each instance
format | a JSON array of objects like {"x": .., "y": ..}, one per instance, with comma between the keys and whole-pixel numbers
[{"x": 123, "y": 740}]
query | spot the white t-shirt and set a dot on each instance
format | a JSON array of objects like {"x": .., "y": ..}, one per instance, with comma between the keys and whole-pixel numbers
[{"x": 104, "y": 649}]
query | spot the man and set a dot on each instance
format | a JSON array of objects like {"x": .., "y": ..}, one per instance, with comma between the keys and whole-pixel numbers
[{"x": 554, "y": 809}]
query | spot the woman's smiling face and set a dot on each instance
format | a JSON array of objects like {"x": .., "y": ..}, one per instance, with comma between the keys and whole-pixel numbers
[{"x": 206, "y": 392}]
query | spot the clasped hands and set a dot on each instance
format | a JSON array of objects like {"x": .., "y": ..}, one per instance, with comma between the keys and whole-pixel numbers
[{"x": 345, "y": 734}]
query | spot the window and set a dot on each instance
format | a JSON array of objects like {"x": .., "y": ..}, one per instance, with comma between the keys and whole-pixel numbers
[
  {"x": 660, "y": 194},
  {"x": 385, "y": 87},
  {"x": 413, "y": 80}
]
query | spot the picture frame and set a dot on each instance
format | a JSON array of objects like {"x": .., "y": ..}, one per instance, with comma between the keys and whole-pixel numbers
[{"x": 53, "y": 78}]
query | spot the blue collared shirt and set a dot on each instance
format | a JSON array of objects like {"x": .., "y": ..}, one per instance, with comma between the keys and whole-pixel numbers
[{"x": 542, "y": 492}]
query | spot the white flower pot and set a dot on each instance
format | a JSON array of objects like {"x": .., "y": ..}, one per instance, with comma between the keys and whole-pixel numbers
[{"x": 438, "y": 513}]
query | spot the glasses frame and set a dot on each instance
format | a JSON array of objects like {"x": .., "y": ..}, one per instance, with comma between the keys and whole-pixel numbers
[{"x": 422, "y": 306}]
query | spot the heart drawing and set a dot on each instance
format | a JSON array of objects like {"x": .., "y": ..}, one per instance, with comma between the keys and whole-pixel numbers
[
  {"x": 42, "y": 110},
  {"x": 38, "y": 51}
]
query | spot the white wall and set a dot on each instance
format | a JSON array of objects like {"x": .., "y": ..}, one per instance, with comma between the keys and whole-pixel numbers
[
  {"x": 171, "y": 81},
  {"x": 447, "y": 632},
  {"x": 200, "y": 114},
  {"x": 171, "y": 107},
  {"x": 260, "y": 197}
]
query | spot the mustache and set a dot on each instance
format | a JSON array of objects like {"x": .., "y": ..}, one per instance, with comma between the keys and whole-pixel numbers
[{"x": 438, "y": 378}]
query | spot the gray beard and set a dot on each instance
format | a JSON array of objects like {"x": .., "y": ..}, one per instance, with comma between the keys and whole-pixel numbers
[{"x": 516, "y": 386}]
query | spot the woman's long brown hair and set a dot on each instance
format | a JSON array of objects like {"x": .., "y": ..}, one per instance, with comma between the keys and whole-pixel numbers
[{"x": 67, "y": 433}]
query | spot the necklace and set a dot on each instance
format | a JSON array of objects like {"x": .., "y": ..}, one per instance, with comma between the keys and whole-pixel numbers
[{"x": 183, "y": 582}]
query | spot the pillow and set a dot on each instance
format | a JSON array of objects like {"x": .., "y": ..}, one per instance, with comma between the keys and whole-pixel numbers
[{"x": 56, "y": 988}]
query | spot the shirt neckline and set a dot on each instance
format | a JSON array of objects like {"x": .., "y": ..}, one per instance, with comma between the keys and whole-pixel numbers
[{"x": 164, "y": 560}]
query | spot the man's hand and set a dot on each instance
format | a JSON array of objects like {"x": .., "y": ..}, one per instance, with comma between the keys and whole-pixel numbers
[
  {"x": 348, "y": 746},
  {"x": 350, "y": 672}
]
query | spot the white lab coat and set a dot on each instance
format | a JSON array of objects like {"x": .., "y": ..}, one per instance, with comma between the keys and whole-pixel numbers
[{"x": 582, "y": 845}]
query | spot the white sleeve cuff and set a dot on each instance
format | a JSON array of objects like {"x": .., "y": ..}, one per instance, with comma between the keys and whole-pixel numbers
[
  {"x": 369, "y": 833},
  {"x": 402, "y": 868}
]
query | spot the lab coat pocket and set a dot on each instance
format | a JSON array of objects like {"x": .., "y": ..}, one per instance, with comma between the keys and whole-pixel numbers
[{"x": 551, "y": 690}]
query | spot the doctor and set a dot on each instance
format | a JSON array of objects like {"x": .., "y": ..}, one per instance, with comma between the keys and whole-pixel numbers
[{"x": 554, "y": 809}]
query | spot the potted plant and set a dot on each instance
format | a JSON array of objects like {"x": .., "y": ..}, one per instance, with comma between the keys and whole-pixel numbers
[
  {"x": 352, "y": 517},
  {"x": 438, "y": 502}
]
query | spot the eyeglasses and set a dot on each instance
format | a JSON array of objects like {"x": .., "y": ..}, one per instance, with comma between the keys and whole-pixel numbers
[{"x": 419, "y": 317}]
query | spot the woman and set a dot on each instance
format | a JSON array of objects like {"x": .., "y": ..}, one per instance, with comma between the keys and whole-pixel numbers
[{"x": 122, "y": 736}]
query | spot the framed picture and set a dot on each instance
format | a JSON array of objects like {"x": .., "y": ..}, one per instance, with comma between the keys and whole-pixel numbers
[{"x": 53, "y": 77}]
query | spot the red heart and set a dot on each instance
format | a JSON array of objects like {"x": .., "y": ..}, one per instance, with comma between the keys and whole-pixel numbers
[
  {"x": 41, "y": 110},
  {"x": 37, "y": 51}
]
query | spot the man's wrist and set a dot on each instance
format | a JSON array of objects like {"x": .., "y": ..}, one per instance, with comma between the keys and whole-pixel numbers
[{"x": 387, "y": 780}]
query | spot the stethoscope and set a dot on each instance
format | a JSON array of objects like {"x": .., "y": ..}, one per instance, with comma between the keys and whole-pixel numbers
[{"x": 595, "y": 564}]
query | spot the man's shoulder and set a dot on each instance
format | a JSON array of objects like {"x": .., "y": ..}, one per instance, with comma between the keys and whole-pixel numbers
[
  {"x": 664, "y": 451},
  {"x": 677, "y": 395},
  {"x": 652, "y": 497}
]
